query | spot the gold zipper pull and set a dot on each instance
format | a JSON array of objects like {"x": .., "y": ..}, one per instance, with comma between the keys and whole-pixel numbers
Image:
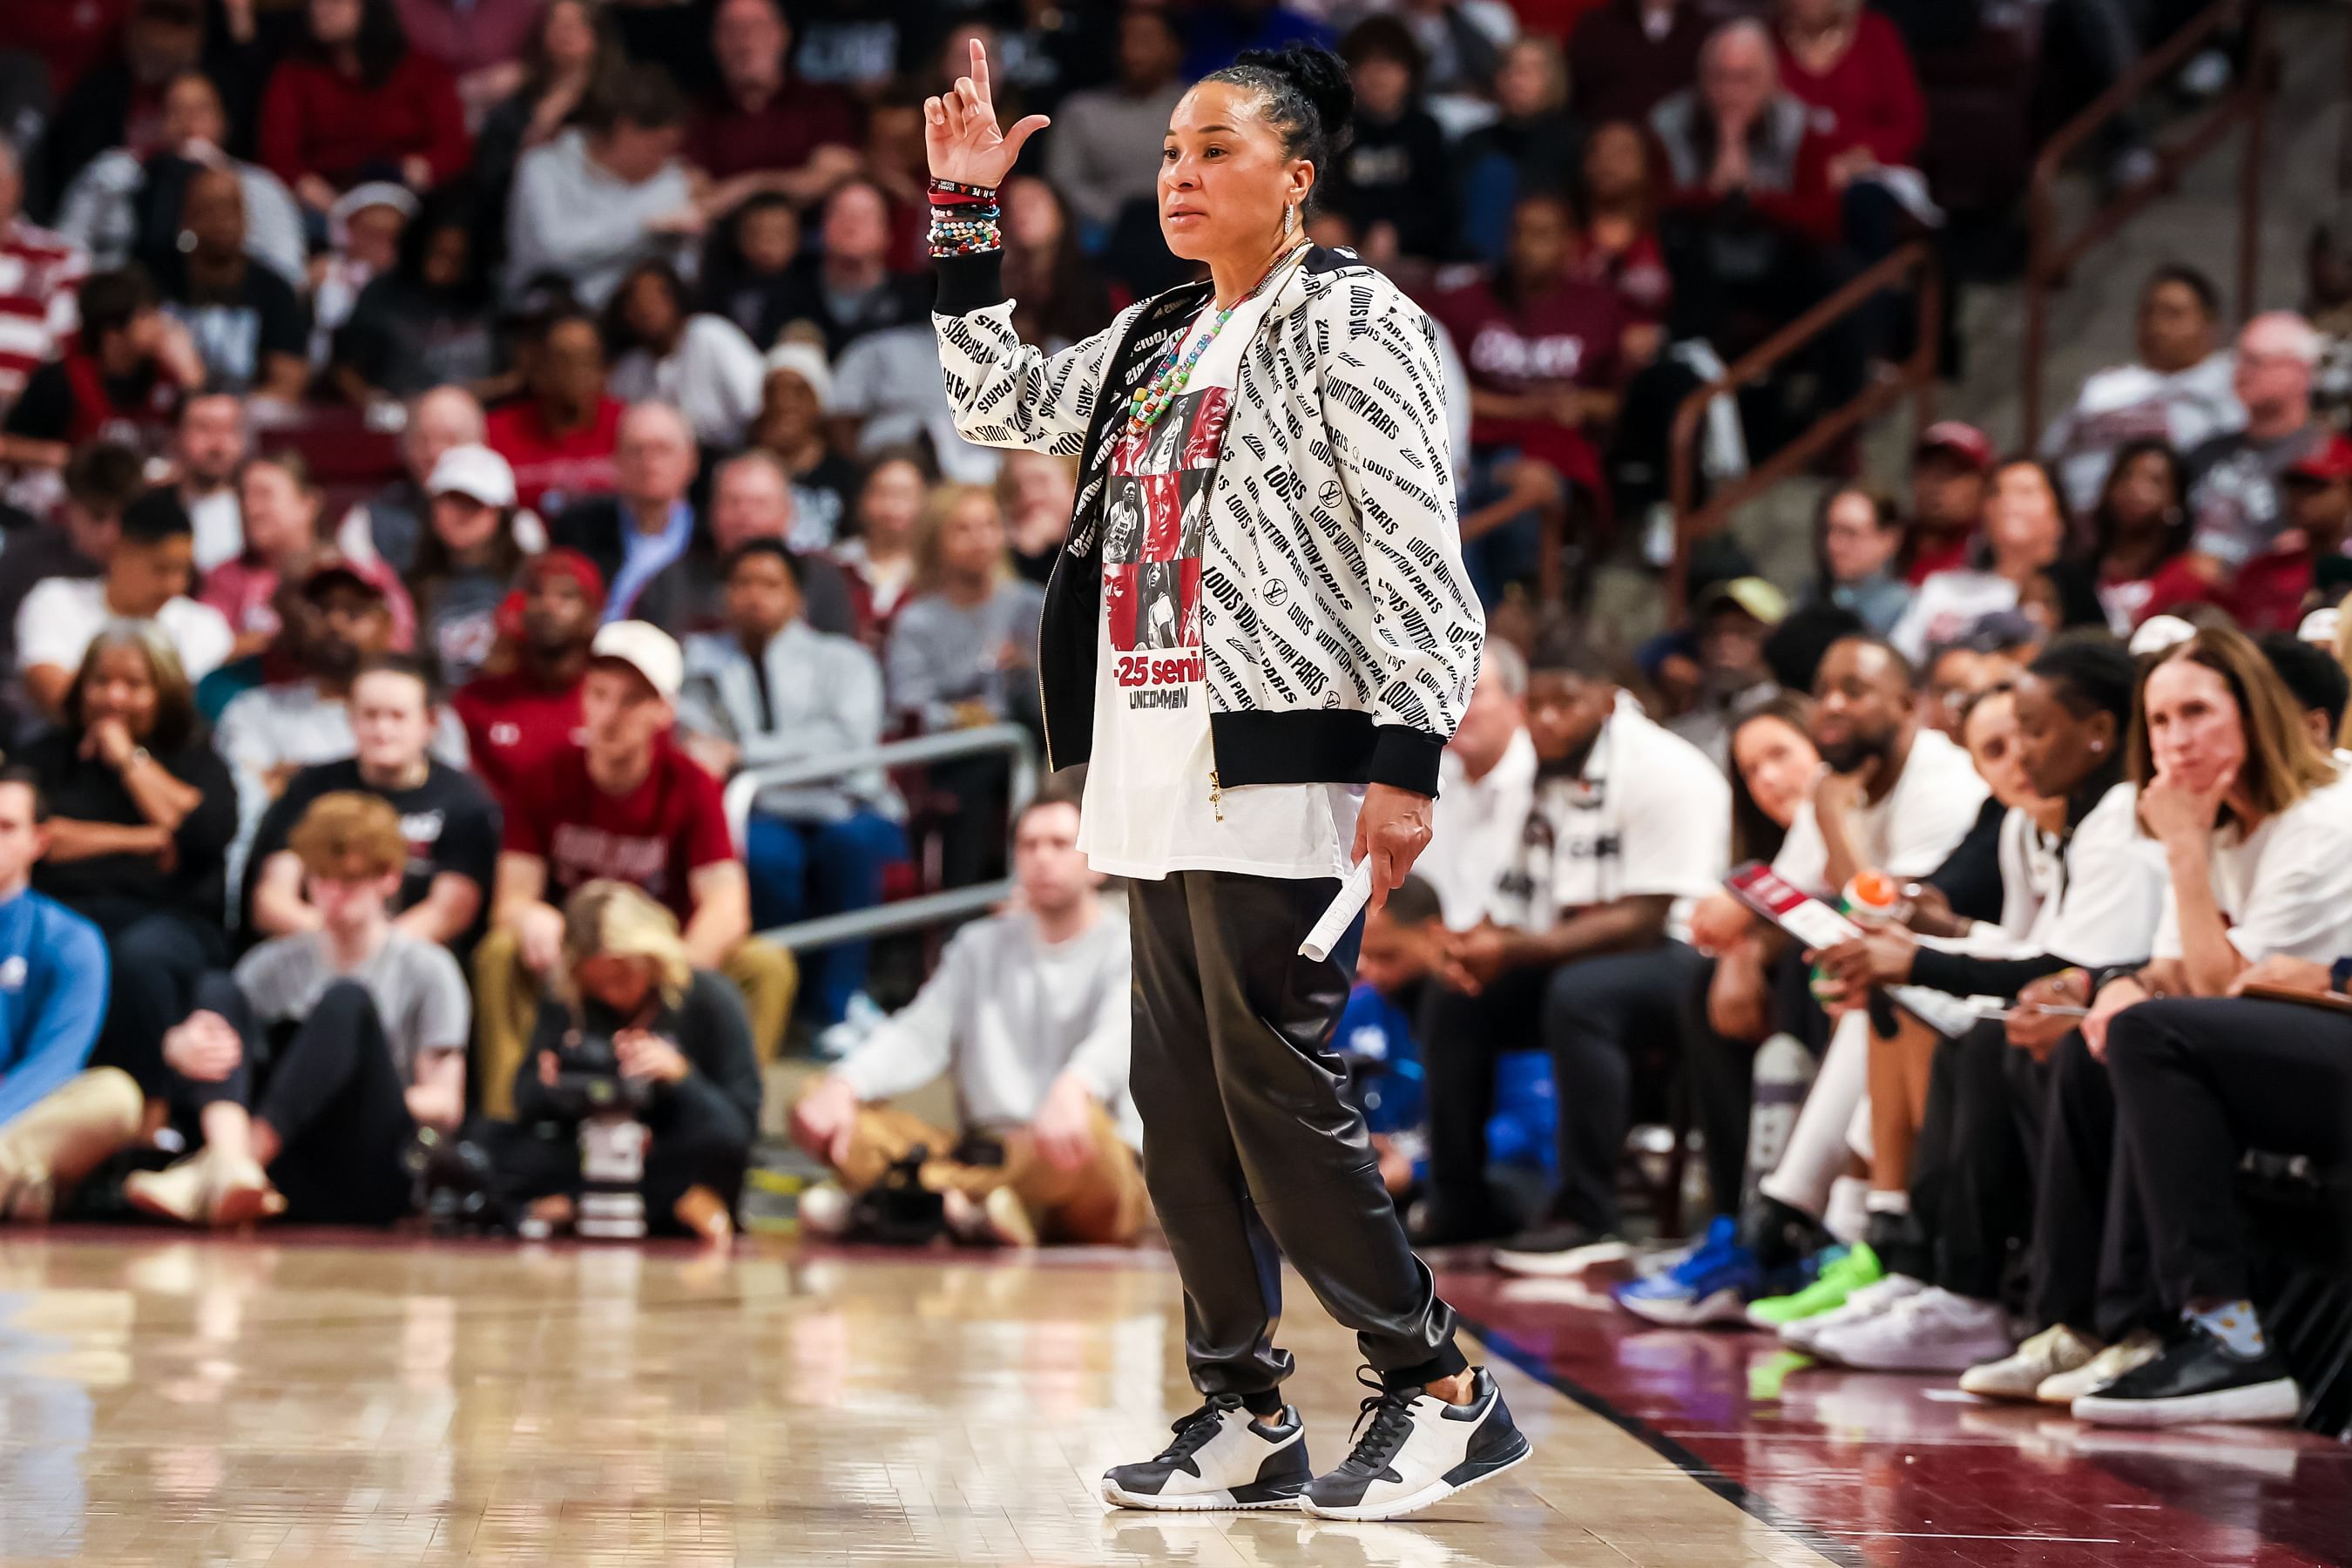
[{"x": 1216, "y": 795}]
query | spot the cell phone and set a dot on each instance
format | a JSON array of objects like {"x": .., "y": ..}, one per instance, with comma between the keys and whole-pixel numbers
[{"x": 2031, "y": 1010}]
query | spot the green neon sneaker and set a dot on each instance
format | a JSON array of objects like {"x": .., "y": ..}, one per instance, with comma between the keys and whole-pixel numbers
[{"x": 1842, "y": 1275}]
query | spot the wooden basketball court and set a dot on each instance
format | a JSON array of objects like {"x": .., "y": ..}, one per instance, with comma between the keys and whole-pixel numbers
[{"x": 327, "y": 1398}]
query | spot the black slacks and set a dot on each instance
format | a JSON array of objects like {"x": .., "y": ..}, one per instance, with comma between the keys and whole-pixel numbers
[
  {"x": 2090, "y": 1265},
  {"x": 156, "y": 962},
  {"x": 1596, "y": 1016},
  {"x": 2197, "y": 1084},
  {"x": 1971, "y": 1170},
  {"x": 1251, "y": 1150},
  {"x": 332, "y": 1097}
]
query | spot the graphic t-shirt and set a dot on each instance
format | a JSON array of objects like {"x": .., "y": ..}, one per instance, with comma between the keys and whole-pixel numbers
[
  {"x": 1649, "y": 815},
  {"x": 449, "y": 820},
  {"x": 655, "y": 837},
  {"x": 2233, "y": 491},
  {"x": 1152, "y": 802}
]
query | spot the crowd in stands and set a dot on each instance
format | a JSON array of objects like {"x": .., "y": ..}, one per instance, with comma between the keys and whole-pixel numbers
[{"x": 341, "y": 802}]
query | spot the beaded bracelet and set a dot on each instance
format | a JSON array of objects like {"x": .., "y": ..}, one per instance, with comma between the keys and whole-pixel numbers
[{"x": 965, "y": 239}]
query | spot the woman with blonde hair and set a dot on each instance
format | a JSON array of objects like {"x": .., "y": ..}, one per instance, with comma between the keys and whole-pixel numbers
[
  {"x": 960, "y": 650},
  {"x": 2256, "y": 828},
  {"x": 963, "y": 653},
  {"x": 681, "y": 1049}
]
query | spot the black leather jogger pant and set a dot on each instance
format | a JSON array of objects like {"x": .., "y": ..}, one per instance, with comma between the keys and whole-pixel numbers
[{"x": 1250, "y": 1151}]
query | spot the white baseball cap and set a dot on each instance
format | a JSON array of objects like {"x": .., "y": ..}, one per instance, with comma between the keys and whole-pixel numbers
[
  {"x": 2159, "y": 632},
  {"x": 475, "y": 472},
  {"x": 807, "y": 362},
  {"x": 646, "y": 648},
  {"x": 2320, "y": 626}
]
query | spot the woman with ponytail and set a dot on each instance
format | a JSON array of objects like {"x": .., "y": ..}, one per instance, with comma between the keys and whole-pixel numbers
[{"x": 1259, "y": 634}]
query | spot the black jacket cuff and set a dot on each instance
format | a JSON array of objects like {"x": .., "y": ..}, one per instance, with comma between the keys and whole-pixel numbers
[
  {"x": 972, "y": 281},
  {"x": 1407, "y": 758}
]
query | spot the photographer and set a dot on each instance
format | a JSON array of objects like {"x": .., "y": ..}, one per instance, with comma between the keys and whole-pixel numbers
[
  {"x": 634, "y": 1028},
  {"x": 311, "y": 1069}
]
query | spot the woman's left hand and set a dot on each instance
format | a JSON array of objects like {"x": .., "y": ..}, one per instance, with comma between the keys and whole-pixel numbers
[
  {"x": 645, "y": 1054},
  {"x": 1391, "y": 831}
]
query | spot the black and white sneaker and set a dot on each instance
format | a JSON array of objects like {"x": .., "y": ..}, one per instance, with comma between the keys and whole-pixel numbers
[
  {"x": 1413, "y": 1449},
  {"x": 2197, "y": 1378},
  {"x": 1560, "y": 1250},
  {"x": 1222, "y": 1458}
]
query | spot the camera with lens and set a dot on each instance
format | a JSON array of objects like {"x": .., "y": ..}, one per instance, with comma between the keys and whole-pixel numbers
[{"x": 589, "y": 1082}]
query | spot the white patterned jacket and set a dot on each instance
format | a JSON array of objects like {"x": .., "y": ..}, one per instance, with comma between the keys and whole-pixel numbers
[{"x": 1340, "y": 630}]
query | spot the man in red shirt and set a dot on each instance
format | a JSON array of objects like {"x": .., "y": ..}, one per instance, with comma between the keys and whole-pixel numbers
[
  {"x": 767, "y": 130},
  {"x": 120, "y": 378},
  {"x": 560, "y": 437},
  {"x": 625, "y": 804},
  {"x": 519, "y": 721}
]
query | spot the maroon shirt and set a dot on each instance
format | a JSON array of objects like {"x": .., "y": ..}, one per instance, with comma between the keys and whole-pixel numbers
[
  {"x": 1622, "y": 73},
  {"x": 726, "y": 139},
  {"x": 655, "y": 838},
  {"x": 1569, "y": 336}
]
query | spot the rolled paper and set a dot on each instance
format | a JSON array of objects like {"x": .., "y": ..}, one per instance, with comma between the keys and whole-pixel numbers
[{"x": 1353, "y": 895}]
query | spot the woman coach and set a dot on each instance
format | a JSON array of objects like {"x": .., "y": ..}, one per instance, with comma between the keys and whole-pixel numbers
[{"x": 1259, "y": 636}]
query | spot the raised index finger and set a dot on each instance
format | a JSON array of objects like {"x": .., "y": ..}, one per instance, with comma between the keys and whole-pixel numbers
[{"x": 979, "y": 74}]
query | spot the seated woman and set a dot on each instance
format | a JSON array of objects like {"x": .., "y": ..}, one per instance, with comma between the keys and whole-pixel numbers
[
  {"x": 142, "y": 811},
  {"x": 2140, "y": 536},
  {"x": 2198, "y": 1082},
  {"x": 699, "y": 363},
  {"x": 963, "y": 652},
  {"x": 2025, "y": 530},
  {"x": 309, "y": 1070},
  {"x": 678, "y": 1032},
  {"x": 467, "y": 562},
  {"x": 2254, "y": 823},
  {"x": 2081, "y": 887}
]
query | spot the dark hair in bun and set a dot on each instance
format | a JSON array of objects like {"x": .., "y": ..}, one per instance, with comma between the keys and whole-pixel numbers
[{"x": 1307, "y": 97}]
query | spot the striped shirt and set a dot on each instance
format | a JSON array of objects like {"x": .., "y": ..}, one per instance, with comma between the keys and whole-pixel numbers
[{"x": 39, "y": 273}]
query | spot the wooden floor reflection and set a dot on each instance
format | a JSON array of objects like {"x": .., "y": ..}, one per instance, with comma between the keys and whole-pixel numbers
[{"x": 317, "y": 1401}]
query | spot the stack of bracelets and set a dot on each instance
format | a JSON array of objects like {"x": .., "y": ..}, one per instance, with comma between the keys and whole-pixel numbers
[{"x": 964, "y": 219}]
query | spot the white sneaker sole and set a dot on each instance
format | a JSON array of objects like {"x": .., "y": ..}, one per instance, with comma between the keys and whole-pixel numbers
[
  {"x": 1436, "y": 1492},
  {"x": 1955, "y": 1357},
  {"x": 1565, "y": 1264},
  {"x": 2277, "y": 1400},
  {"x": 1722, "y": 1307},
  {"x": 2000, "y": 1387},
  {"x": 1191, "y": 1502}
]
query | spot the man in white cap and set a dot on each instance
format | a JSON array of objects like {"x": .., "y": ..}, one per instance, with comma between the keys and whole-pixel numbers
[
  {"x": 624, "y": 803},
  {"x": 472, "y": 492},
  {"x": 795, "y": 401}
]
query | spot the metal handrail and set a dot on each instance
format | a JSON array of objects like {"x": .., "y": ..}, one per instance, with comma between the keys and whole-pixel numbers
[
  {"x": 1916, "y": 377},
  {"x": 2051, "y": 261},
  {"x": 908, "y": 914}
]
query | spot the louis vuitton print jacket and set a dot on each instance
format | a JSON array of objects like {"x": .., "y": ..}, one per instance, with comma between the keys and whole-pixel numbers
[{"x": 1339, "y": 633}]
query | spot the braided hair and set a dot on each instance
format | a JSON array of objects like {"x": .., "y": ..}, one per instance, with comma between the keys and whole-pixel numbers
[{"x": 1304, "y": 94}]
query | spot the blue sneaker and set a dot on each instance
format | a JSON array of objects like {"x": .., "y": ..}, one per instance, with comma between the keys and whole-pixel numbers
[{"x": 1713, "y": 1285}]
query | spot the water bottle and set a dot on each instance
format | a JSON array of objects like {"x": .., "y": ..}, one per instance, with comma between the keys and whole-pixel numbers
[{"x": 1871, "y": 898}]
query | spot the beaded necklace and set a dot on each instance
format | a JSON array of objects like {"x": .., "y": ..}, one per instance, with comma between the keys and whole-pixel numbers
[{"x": 1167, "y": 384}]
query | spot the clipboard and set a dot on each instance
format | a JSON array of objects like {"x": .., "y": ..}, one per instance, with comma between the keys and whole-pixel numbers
[
  {"x": 2328, "y": 1001},
  {"x": 1815, "y": 925}
]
